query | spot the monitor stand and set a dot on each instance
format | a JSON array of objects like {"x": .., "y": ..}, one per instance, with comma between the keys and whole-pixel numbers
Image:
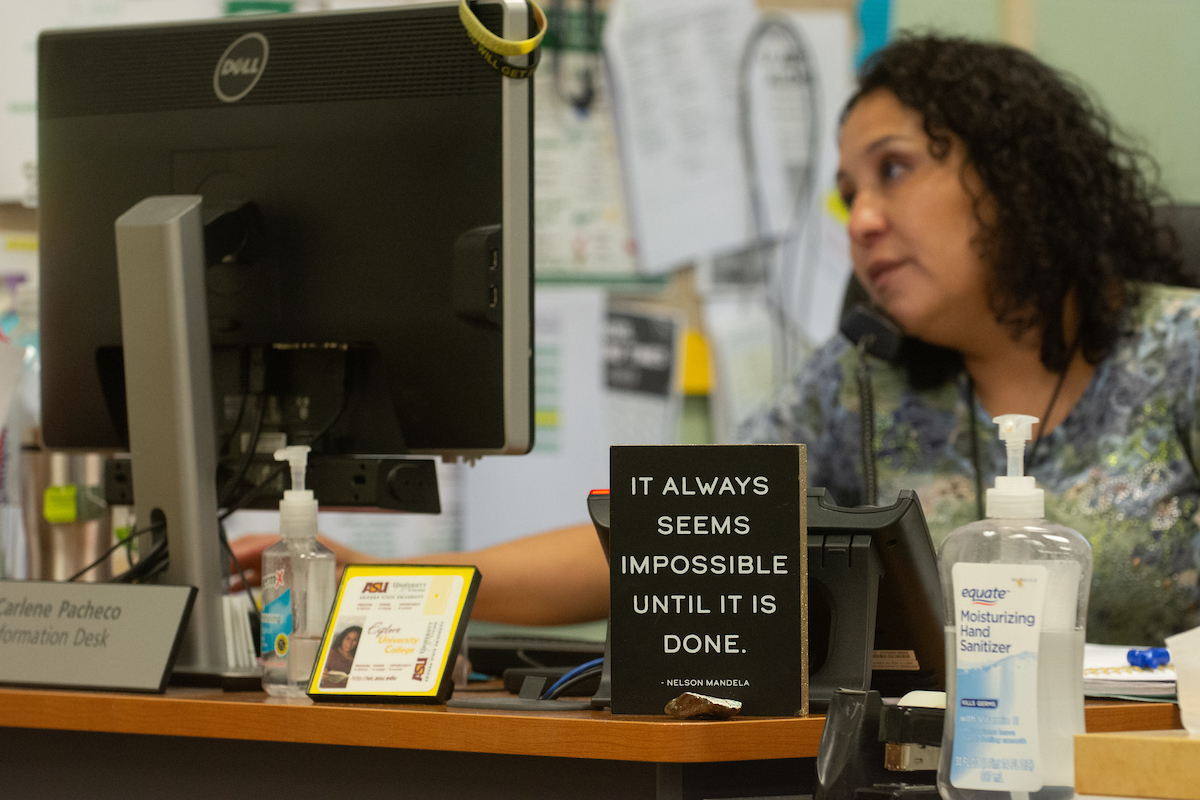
[
  {"x": 164, "y": 327},
  {"x": 161, "y": 267}
]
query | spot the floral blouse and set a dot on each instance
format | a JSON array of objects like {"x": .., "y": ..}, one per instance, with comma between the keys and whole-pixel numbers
[{"x": 1121, "y": 468}]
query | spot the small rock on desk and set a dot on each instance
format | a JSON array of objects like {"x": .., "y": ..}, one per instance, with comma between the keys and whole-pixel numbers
[{"x": 690, "y": 705}]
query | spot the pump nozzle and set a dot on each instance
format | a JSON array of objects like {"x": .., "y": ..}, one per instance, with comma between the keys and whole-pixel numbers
[
  {"x": 298, "y": 508},
  {"x": 1016, "y": 495},
  {"x": 1015, "y": 430},
  {"x": 297, "y": 457}
]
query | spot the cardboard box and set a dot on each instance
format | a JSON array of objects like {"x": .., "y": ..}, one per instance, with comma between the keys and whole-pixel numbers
[{"x": 1138, "y": 764}]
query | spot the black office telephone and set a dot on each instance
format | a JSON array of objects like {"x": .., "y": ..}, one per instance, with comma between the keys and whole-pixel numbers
[{"x": 876, "y": 618}]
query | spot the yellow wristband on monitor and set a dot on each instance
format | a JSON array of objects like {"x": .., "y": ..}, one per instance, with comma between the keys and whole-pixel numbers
[{"x": 497, "y": 45}]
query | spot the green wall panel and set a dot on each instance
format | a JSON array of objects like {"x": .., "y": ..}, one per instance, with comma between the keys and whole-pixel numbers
[
  {"x": 977, "y": 18},
  {"x": 1138, "y": 58}
]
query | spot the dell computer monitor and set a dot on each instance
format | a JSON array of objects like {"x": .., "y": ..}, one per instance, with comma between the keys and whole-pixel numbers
[{"x": 366, "y": 180}]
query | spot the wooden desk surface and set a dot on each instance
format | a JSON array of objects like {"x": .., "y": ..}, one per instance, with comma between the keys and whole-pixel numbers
[{"x": 573, "y": 734}]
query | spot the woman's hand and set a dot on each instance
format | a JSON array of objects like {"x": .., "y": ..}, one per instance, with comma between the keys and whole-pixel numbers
[{"x": 249, "y": 549}]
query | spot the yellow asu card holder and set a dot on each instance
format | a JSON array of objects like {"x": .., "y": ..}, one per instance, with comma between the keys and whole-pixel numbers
[{"x": 394, "y": 633}]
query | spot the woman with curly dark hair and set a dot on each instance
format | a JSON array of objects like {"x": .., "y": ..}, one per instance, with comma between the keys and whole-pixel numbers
[{"x": 995, "y": 220}]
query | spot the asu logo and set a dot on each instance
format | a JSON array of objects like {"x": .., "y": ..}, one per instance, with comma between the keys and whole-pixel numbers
[
  {"x": 419, "y": 669},
  {"x": 375, "y": 588}
]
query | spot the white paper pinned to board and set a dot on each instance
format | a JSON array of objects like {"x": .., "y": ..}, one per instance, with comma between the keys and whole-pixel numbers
[
  {"x": 674, "y": 66},
  {"x": 19, "y": 29},
  {"x": 503, "y": 497}
]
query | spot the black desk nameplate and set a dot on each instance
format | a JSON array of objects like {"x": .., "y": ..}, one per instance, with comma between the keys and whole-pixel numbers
[
  {"x": 709, "y": 572},
  {"x": 113, "y": 636}
]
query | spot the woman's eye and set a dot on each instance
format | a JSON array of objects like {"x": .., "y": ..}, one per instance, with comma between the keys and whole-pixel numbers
[
  {"x": 890, "y": 169},
  {"x": 847, "y": 199}
]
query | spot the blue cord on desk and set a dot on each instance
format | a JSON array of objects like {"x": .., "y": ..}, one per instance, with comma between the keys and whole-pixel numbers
[{"x": 593, "y": 663}]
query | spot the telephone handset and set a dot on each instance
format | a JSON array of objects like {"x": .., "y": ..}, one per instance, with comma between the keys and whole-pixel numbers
[{"x": 869, "y": 326}]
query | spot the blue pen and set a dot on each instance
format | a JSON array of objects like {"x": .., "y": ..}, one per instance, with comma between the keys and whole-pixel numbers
[{"x": 1149, "y": 658}]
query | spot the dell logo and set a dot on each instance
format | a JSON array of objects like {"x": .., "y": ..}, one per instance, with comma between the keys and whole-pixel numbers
[{"x": 240, "y": 67}]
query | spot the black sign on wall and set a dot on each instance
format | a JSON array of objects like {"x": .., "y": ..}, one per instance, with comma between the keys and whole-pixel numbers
[
  {"x": 709, "y": 576},
  {"x": 639, "y": 353}
]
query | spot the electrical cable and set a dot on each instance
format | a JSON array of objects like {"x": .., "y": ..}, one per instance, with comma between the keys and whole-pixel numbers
[
  {"x": 158, "y": 559},
  {"x": 255, "y": 387},
  {"x": 806, "y": 186},
  {"x": 128, "y": 542},
  {"x": 252, "y": 492},
  {"x": 574, "y": 683},
  {"x": 237, "y": 423},
  {"x": 572, "y": 678},
  {"x": 247, "y": 457},
  {"x": 155, "y": 562},
  {"x": 155, "y": 527},
  {"x": 804, "y": 73},
  {"x": 866, "y": 412},
  {"x": 527, "y": 659},
  {"x": 237, "y": 565},
  {"x": 233, "y": 505}
]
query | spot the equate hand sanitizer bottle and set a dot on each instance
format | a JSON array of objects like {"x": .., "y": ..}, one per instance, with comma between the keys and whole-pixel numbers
[
  {"x": 1016, "y": 593},
  {"x": 298, "y": 586}
]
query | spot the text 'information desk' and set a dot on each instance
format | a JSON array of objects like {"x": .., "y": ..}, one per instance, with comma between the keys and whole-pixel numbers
[{"x": 205, "y": 743}]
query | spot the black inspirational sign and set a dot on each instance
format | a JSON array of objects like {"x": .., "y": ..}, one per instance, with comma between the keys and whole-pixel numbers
[{"x": 708, "y": 571}]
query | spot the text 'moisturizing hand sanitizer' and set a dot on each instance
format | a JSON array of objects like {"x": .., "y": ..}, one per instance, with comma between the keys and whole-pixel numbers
[
  {"x": 1016, "y": 593},
  {"x": 297, "y": 587}
]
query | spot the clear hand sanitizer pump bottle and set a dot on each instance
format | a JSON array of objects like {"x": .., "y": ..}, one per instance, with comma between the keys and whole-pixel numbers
[
  {"x": 298, "y": 587},
  {"x": 1016, "y": 593}
]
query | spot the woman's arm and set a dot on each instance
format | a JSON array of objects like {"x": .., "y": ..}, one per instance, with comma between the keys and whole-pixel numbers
[{"x": 551, "y": 578}]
